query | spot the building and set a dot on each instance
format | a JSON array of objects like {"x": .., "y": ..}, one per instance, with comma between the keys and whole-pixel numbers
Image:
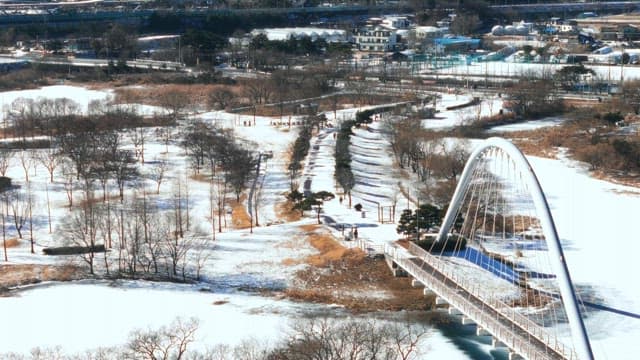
[
  {"x": 375, "y": 38},
  {"x": 455, "y": 44},
  {"x": 395, "y": 22},
  {"x": 429, "y": 33},
  {"x": 284, "y": 34}
]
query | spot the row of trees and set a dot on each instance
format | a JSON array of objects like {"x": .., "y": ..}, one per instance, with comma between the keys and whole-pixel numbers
[
  {"x": 219, "y": 150},
  {"x": 138, "y": 237},
  {"x": 437, "y": 162},
  {"x": 343, "y": 174},
  {"x": 306, "y": 340}
]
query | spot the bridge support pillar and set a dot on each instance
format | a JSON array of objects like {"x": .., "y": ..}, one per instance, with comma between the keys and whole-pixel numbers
[
  {"x": 515, "y": 356},
  {"x": 467, "y": 321},
  {"x": 482, "y": 332},
  {"x": 428, "y": 292},
  {"x": 416, "y": 284},
  {"x": 441, "y": 301},
  {"x": 399, "y": 272},
  {"x": 497, "y": 343},
  {"x": 454, "y": 311}
]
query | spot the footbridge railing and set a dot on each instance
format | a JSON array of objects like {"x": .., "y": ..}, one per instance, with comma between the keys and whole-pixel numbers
[{"x": 513, "y": 329}]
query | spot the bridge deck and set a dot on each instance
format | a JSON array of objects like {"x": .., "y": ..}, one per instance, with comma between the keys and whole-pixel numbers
[{"x": 514, "y": 330}]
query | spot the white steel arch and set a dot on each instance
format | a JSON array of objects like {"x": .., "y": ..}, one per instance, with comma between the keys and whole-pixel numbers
[{"x": 578, "y": 330}]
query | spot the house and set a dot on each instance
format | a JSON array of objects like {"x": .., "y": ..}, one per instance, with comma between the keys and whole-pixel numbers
[
  {"x": 375, "y": 38},
  {"x": 628, "y": 32},
  {"x": 608, "y": 33}
]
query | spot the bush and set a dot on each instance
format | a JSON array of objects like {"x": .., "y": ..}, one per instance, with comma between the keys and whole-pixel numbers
[{"x": 613, "y": 117}]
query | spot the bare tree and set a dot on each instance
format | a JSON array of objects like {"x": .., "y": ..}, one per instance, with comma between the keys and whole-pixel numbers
[
  {"x": 5, "y": 160},
  {"x": 158, "y": 171},
  {"x": 19, "y": 207},
  {"x": 258, "y": 91},
  {"x": 26, "y": 160},
  {"x": 50, "y": 159},
  {"x": 175, "y": 100},
  {"x": 221, "y": 98},
  {"x": 164, "y": 133},
  {"x": 123, "y": 169},
  {"x": 138, "y": 137},
  {"x": 170, "y": 342},
  {"x": 80, "y": 229},
  {"x": 355, "y": 340},
  {"x": 69, "y": 183}
]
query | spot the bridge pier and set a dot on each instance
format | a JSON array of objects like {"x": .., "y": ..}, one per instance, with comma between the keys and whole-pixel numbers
[
  {"x": 428, "y": 292},
  {"x": 441, "y": 301},
  {"x": 515, "y": 356},
  {"x": 497, "y": 343},
  {"x": 399, "y": 272},
  {"x": 454, "y": 311},
  {"x": 396, "y": 270},
  {"x": 482, "y": 332},
  {"x": 416, "y": 283},
  {"x": 467, "y": 321}
]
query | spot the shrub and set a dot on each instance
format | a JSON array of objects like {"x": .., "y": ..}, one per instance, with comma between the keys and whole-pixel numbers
[{"x": 613, "y": 117}]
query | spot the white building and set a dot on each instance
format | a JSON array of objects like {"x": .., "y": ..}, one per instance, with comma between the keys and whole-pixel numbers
[
  {"x": 375, "y": 38},
  {"x": 426, "y": 33},
  {"x": 284, "y": 34},
  {"x": 396, "y": 22}
]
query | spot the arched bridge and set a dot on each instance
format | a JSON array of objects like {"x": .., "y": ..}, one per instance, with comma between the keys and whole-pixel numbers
[{"x": 497, "y": 260}]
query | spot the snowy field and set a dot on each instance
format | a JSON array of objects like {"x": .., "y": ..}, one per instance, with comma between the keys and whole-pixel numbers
[
  {"x": 527, "y": 126},
  {"x": 595, "y": 219}
]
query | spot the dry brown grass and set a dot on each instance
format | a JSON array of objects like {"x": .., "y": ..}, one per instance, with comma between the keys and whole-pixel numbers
[
  {"x": 23, "y": 274},
  {"x": 12, "y": 242},
  {"x": 150, "y": 94},
  {"x": 330, "y": 251},
  {"x": 240, "y": 218},
  {"x": 291, "y": 262},
  {"x": 360, "y": 284},
  {"x": 200, "y": 177},
  {"x": 338, "y": 275},
  {"x": 307, "y": 228},
  {"x": 96, "y": 200},
  {"x": 285, "y": 212}
]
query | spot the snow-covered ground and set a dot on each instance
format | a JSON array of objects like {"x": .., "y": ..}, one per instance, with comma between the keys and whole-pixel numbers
[
  {"x": 529, "y": 125},
  {"x": 595, "y": 220},
  {"x": 444, "y": 118},
  {"x": 56, "y": 314},
  {"x": 509, "y": 69}
]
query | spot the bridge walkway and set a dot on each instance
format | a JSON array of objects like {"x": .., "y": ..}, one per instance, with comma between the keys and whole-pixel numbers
[{"x": 515, "y": 331}]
